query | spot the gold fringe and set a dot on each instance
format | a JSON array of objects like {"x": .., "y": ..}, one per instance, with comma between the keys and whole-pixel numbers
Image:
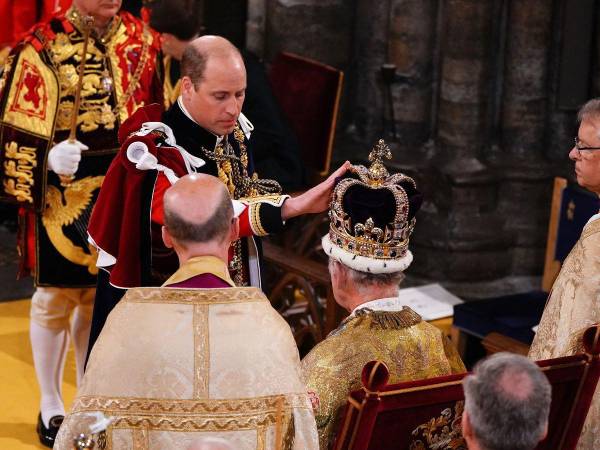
[{"x": 390, "y": 320}]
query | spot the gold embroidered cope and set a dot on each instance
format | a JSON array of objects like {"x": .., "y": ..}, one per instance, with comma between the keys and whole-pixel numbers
[
  {"x": 574, "y": 305},
  {"x": 173, "y": 363}
]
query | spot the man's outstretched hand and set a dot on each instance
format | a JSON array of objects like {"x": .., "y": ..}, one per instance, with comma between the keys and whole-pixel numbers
[{"x": 316, "y": 199}]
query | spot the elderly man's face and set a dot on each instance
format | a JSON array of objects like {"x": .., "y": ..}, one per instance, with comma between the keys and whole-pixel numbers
[
  {"x": 587, "y": 162},
  {"x": 216, "y": 102},
  {"x": 101, "y": 10}
]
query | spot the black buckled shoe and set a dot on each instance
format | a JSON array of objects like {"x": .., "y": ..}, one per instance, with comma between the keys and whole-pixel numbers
[{"x": 48, "y": 435}]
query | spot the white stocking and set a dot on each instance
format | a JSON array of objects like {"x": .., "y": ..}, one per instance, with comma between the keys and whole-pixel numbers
[
  {"x": 80, "y": 333},
  {"x": 49, "y": 347}
]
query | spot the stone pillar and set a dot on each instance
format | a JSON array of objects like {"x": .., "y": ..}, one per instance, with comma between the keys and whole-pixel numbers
[
  {"x": 465, "y": 82},
  {"x": 370, "y": 53},
  {"x": 525, "y": 90},
  {"x": 411, "y": 49},
  {"x": 459, "y": 235},
  {"x": 526, "y": 179},
  {"x": 317, "y": 29},
  {"x": 255, "y": 26}
]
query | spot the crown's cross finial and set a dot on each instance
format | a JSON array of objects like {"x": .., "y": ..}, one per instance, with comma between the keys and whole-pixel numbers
[{"x": 380, "y": 152}]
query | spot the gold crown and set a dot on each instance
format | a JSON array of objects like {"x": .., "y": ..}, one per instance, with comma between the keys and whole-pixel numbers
[{"x": 388, "y": 241}]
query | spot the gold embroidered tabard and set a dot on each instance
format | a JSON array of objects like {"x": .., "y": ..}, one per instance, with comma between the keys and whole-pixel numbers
[
  {"x": 172, "y": 364},
  {"x": 68, "y": 207},
  {"x": 410, "y": 347},
  {"x": 38, "y": 89},
  {"x": 32, "y": 96},
  {"x": 96, "y": 95},
  {"x": 19, "y": 162}
]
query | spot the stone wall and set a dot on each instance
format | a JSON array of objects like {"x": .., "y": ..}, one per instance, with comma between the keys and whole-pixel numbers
[{"x": 472, "y": 113}]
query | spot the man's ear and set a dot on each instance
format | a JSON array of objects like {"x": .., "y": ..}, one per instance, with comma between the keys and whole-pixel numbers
[
  {"x": 467, "y": 431},
  {"x": 166, "y": 237},
  {"x": 340, "y": 272},
  {"x": 186, "y": 86},
  {"x": 545, "y": 432}
]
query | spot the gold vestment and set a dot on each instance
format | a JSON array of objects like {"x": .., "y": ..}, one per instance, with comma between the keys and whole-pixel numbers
[
  {"x": 174, "y": 364},
  {"x": 574, "y": 305},
  {"x": 411, "y": 348}
]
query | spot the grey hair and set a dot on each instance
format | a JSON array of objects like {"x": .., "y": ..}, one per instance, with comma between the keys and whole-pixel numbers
[
  {"x": 215, "y": 227},
  {"x": 501, "y": 417},
  {"x": 211, "y": 443},
  {"x": 366, "y": 279},
  {"x": 590, "y": 110}
]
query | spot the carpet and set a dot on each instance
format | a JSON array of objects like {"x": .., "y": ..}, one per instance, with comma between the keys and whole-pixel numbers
[{"x": 18, "y": 384}]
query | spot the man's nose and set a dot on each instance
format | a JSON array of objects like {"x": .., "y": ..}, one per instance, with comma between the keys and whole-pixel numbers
[
  {"x": 574, "y": 154},
  {"x": 233, "y": 107}
]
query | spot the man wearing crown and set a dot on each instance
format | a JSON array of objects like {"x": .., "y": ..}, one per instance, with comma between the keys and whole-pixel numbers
[
  {"x": 372, "y": 216},
  {"x": 60, "y": 113}
]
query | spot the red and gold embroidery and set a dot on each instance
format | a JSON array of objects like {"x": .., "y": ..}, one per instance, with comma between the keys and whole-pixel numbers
[
  {"x": 34, "y": 88},
  {"x": 18, "y": 171},
  {"x": 31, "y": 97}
]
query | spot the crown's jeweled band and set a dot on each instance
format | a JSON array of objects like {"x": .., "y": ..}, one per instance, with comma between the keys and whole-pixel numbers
[{"x": 389, "y": 242}]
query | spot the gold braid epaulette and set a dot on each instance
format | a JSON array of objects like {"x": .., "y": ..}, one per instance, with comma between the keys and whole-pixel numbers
[{"x": 390, "y": 320}]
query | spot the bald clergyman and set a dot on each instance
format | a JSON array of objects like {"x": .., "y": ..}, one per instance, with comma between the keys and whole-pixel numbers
[{"x": 197, "y": 357}]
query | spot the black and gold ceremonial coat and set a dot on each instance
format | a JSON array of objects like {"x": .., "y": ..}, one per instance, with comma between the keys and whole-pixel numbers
[
  {"x": 37, "y": 94},
  {"x": 127, "y": 220}
]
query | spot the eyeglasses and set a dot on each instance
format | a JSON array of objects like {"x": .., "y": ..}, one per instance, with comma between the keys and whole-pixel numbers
[{"x": 580, "y": 147}]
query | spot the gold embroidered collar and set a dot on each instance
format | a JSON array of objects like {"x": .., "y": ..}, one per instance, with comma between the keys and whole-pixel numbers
[
  {"x": 200, "y": 265},
  {"x": 76, "y": 18},
  {"x": 394, "y": 320}
]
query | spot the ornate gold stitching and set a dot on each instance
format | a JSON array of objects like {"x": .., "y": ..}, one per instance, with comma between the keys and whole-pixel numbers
[
  {"x": 34, "y": 87},
  {"x": 58, "y": 214},
  {"x": 195, "y": 415},
  {"x": 18, "y": 169},
  {"x": 201, "y": 351},
  {"x": 140, "y": 439},
  {"x": 443, "y": 432},
  {"x": 124, "y": 97},
  {"x": 257, "y": 227},
  {"x": 194, "y": 296}
]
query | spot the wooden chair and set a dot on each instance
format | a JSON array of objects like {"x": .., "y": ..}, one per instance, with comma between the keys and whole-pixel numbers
[
  {"x": 513, "y": 316},
  {"x": 309, "y": 94},
  {"x": 572, "y": 207},
  {"x": 426, "y": 414}
]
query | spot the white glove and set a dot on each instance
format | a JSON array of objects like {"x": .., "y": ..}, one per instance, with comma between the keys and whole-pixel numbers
[{"x": 64, "y": 157}]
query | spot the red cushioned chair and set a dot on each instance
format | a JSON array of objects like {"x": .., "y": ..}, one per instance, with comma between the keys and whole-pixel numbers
[
  {"x": 309, "y": 94},
  {"x": 426, "y": 414}
]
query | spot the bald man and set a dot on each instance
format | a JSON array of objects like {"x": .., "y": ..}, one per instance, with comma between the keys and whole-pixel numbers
[
  {"x": 197, "y": 357},
  {"x": 203, "y": 132}
]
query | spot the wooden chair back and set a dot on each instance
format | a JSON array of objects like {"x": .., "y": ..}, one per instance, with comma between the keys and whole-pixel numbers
[
  {"x": 571, "y": 208},
  {"x": 309, "y": 94}
]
